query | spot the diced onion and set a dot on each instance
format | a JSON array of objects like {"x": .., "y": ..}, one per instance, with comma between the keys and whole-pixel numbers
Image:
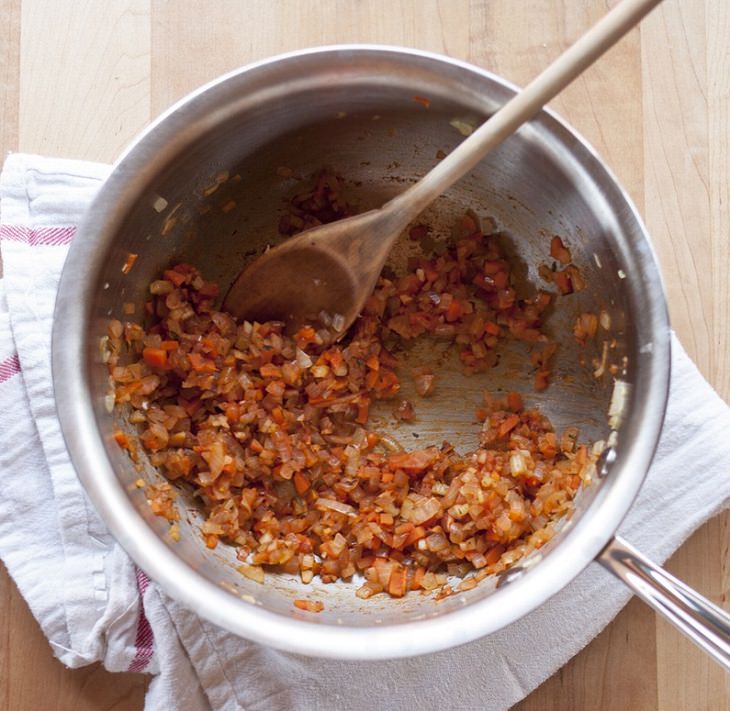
[{"x": 334, "y": 505}]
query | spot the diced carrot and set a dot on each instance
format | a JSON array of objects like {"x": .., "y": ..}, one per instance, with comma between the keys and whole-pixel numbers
[
  {"x": 301, "y": 483},
  {"x": 548, "y": 444},
  {"x": 417, "y": 577},
  {"x": 483, "y": 281},
  {"x": 430, "y": 273},
  {"x": 542, "y": 380},
  {"x": 175, "y": 277},
  {"x": 501, "y": 280},
  {"x": 514, "y": 402},
  {"x": 201, "y": 364},
  {"x": 309, "y": 605},
  {"x": 416, "y": 461},
  {"x": 415, "y": 535},
  {"x": 388, "y": 381},
  {"x": 409, "y": 284},
  {"x": 363, "y": 407},
  {"x": 305, "y": 335},
  {"x": 426, "y": 103},
  {"x": 335, "y": 358},
  {"x": 320, "y": 399},
  {"x": 209, "y": 289},
  {"x": 563, "y": 282},
  {"x": 121, "y": 439},
  {"x": 508, "y": 425},
  {"x": 371, "y": 379},
  {"x": 129, "y": 263},
  {"x": 398, "y": 581},
  {"x": 559, "y": 251},
  {"x": 210, "y": 344},
  {"x": 155, "y": 357},
  {"x": 493, "y": 266},
  {"x": 270, "y": 371},
  {"x": 455, "y": 311},
  {"x": 494, "y": 554}
]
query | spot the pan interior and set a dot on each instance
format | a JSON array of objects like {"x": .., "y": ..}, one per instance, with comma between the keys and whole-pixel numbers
[{"x": 379, "y": 141}]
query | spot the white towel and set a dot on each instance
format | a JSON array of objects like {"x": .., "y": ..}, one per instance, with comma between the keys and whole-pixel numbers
[{"x": 93, "y": 604}]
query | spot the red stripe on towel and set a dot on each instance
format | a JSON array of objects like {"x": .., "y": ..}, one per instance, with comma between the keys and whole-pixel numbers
[
  {"x": 33, "y": 236},
  {"x": 144, "y": 640},
  {"x": 9, "y": 367}
]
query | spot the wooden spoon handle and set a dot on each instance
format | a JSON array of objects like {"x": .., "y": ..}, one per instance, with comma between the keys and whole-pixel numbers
[{"x": 522, "y": 107}]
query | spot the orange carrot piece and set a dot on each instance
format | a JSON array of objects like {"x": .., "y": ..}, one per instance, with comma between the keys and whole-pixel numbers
[
  {"x": 309, "y": 605},
  {"x": 508, "y": 425},
  {"x": 559, "y": 251},
  {"x": 363, "y": 408},
  {"x": 174, "y": 276},
  {"x": 514, "y": 402},
  {"x": 301, "y": 483},
  {"x": 155, "y": 357}
]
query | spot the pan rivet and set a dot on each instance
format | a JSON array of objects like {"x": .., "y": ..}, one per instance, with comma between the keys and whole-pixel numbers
[
  {"x": 605, "y": 461},
  {"x": 510, "y": 575}
]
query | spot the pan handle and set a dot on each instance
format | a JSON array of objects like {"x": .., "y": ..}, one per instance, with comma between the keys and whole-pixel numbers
[{"x": 707, "y": 625}]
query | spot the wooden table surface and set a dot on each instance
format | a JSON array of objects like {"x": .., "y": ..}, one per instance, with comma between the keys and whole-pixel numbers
[{"x": 79, "y": 78}]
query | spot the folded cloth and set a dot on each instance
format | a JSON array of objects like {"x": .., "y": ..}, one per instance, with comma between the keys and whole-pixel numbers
[{"x": 93, "y": 604}]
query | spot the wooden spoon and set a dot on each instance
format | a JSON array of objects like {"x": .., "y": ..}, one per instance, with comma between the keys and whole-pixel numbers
[{"x": 328, "y": 272}]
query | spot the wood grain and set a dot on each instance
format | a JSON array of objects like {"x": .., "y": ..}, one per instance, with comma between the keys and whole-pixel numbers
[
  {"x": 657, "y": 108},
  {"x": 96, "y": 69},
  {"x": 9, "y": 74},
  {"x": 225, "y": 40},
  {"x": 685, "y": 158},
  {"x": 677, "y": 658},
  {"x": 32, "y": 679},
  {"x": 84, "y": 91},
  {"x": 717, "y": 21},
  {"x": 602, "y": 103}
]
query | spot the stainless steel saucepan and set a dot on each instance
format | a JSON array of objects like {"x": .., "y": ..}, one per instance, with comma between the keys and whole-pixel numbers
[{"x": 174, "y": 195}]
